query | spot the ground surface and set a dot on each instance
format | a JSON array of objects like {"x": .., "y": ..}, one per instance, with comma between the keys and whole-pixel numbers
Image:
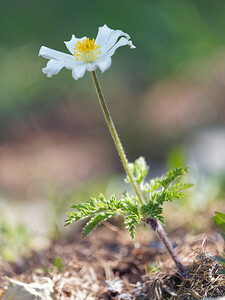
[{"x": 108, "y": 264}]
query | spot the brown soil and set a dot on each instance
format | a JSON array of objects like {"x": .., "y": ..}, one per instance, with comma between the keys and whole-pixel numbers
[{"x": 108, "y": 264}]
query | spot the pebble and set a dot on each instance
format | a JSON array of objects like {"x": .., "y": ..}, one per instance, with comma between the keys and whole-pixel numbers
[{"x": 42, "y": 290}]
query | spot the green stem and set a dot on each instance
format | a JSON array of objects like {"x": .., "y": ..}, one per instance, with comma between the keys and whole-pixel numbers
[{"x": 116, "y": 137}]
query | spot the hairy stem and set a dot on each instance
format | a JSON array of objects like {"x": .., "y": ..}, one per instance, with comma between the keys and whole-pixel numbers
[
  {"x": 154, "y": 223},
  {"x": 115, "y": 137},
  {"x": 158, "y": 228}
]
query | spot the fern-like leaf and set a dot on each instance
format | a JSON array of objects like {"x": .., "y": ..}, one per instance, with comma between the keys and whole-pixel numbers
[
  {"x": 131, "y": 221},
  {"x": 172, "y": 175},
  {"x": 139, "y": 169},
  {"x": 94, "y": 207},
  {"x": 155, "y": 192},
  {"x": 153, "y": 210},
  {"x": 95, "y": 221}
]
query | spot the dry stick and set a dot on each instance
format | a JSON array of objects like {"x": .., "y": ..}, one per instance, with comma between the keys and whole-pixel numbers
[{"x": 154, "y": 223}]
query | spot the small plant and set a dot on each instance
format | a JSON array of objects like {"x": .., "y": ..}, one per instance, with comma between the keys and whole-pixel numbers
[
  {"x": 58, "y": 263},
  {"x": 156, "y": 192},
  {"x": 146, "y": 205},
  {"x": 219, "y": 219},
  {"x": 14, "y": 240}
]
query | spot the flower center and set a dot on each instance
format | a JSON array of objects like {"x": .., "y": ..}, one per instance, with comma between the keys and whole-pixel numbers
[{"x": 86, "y": 50}]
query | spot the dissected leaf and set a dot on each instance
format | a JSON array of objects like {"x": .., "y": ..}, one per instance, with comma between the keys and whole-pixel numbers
[
  {"x": 139, "y": 169},
  {"x": 93, "y": 208},
  {"x": 155, "y": 193},
  {"x": 152, "y": 210},
  {"x": 96, "y": 220},
  {"x": 172, "y": 175},
  {"x": 131, "y": 220}
]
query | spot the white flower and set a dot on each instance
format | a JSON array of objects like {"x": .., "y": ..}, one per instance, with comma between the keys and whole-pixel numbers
[{"x": 86, "y": 54}]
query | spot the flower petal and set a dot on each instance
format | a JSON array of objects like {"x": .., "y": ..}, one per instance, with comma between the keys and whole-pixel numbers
[
  {"x": 53, "y": 67},
  {"x": 79, "y": 71},
  {"x": 107, "y": 38},
  {"x": 58, "y": 60},
  {"x": 48, "y": 53},
  {"x": 113, "y": 39},
  {"x": 122, "y": 42},
  {"x": 92, "y": 66},
  {"x": 105, "y": 64},
  {"x": 70, "y": 44},
  {"x": 103, "y": 35}
]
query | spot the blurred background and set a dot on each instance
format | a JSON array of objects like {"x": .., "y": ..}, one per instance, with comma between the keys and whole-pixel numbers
[{"x": 167, "y": 99}]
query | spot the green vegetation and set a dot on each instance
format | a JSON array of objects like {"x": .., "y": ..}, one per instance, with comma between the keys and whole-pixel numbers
[
  {"x": 219, "y": 219},
  {"x": 156, "y": 192},
  {"x": 14, "y": 241}
]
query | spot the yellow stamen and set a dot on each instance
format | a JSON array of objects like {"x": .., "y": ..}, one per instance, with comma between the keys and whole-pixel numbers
[{"x": 86, "y": 50}]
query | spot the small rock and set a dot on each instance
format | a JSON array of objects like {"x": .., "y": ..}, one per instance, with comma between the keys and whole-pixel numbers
[{"x": 42, "y": 290}]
